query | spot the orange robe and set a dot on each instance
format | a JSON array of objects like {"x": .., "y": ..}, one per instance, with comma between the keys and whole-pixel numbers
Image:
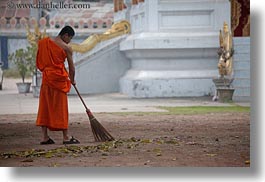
[{"x": 53, "y": 104}]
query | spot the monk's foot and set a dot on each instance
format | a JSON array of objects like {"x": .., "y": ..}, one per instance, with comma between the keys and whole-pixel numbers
[
  {"x": 71, "y": 141},
  {"x": 47, "y": 142}
]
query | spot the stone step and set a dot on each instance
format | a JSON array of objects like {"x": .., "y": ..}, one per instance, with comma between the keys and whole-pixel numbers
[
  {"x": 241, "y": 98},
  {"x": 97, "y": 50},
  {"x": 241, "y": 82},
  {"x": 239, "y": 65},
  {"x": 241, "y": 57},
  {"x": 242, "y": 91},
  {"x": 107, "y": 59},
  {"x": 242, "y": 73},
  {"x": 241, "y": 41},
  {"x": 239, "y": 49},
  {"x": 241, "y": 46}
]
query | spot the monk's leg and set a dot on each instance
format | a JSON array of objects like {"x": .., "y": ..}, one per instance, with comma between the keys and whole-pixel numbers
[
  {"x": 65, "y": 135},
  {"x": 67, "y": 139},
  {"x": 45, "y": 135}
]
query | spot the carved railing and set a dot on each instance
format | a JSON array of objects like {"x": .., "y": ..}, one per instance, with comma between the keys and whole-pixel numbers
[{"x": 117, "y": 29}]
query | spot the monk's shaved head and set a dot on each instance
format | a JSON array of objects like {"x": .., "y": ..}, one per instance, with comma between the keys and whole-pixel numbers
[{"x": 67, "y": 29}]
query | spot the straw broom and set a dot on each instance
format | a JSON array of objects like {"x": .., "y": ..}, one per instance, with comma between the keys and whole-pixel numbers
[{"x": 99, "y": 132}]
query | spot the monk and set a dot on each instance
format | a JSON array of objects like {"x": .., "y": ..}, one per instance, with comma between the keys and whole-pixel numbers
[{"x": 56, "y": 83}]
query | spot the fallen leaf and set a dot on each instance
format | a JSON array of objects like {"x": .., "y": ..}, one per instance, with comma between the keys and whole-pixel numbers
[
  {"x": 211, "y": 155},
  {"x": 157, "y": 150},
  {"x": 146, "y": 141},
  {"x": 27, "y": 160},
  {"x": 247, "y": 162},
  {"x": 147, "y": 162},
  {"x": 133, "y": 139},
  {"x": 160, "y": 142},
  {"x": 48, "y": 155},
  {"x": 105, "y": 154},
  {"x": 172, "y": 142},
  {"x": 130, "y": 146},
  {"x": 74, "y": 155},
  {"x": 191, "y": 143}
]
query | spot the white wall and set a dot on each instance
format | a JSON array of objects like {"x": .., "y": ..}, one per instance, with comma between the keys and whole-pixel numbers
[
  {"x": 99, "y": 70},
  {"x": 173, "y": 47}
]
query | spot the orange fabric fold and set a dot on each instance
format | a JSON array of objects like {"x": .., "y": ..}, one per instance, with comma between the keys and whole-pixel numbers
[
  {"x": 50, "y": 61},
  {"x": 53, "y": 104},
  {"x": 53, "y": 109}
]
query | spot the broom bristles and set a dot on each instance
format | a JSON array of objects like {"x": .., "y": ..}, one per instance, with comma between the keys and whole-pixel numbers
[{"x": 99, "y": 132}]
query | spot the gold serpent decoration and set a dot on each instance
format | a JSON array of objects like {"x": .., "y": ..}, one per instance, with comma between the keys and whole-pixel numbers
[
  {"x": 235, "y": 14},
  {"x": 117, "y": 29},
  {"x": 34, "y": 37},
  {"x": 246, "y": 29}
]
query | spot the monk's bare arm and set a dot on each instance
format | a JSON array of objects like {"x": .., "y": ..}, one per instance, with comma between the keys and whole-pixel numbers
[{"x": 71, "y": 65}]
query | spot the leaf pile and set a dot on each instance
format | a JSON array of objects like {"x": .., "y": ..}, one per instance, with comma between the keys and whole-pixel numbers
[{"x": 102, "y": 148}]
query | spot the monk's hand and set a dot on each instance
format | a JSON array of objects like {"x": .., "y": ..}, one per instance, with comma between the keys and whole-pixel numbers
[{"x": 73, "y": 82}]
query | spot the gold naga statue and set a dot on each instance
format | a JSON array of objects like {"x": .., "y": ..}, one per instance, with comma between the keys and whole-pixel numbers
[
  {"x": 117, "y": 29},
  {"x": 34, "y": 37},
  {"x": 225, "y": 52}
]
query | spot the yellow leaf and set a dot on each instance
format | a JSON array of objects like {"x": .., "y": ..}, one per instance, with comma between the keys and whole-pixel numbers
[
  {"x": 48, "y": 155},
  {"x": 74, "y": 155},
  {"x": 157, "y": 150},
  {"x": 172, "y": 142},
  {"x": 146, "y": 141},
  {"x": 160, "y": 141}
]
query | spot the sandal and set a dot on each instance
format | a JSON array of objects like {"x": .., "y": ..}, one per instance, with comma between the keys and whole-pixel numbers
[
  {"x": 48, "y": 142},
  {"x": 71, "y": 141}
]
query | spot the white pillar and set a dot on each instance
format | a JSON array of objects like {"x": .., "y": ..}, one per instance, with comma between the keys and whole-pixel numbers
[
  {"x": 151, "y": 10},
  {"x": 173, "y": 47}
]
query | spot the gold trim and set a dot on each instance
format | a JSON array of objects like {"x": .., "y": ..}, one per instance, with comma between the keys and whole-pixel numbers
[
  {"x": 225, "y": 64},
  {"x": 246, "y": 29},
  {"x": 34, "y": 37},
  {"x": 235, "y": 15},
  {"x": 117, "y": 29}
]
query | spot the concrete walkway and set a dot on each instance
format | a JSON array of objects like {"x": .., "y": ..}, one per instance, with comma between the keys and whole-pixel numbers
[{"x": 13, "y": 103}]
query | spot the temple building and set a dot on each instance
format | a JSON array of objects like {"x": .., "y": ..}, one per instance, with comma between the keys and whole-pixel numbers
[
  {"x": 171, "y": 50},
  {"x": 88, "y": 17}
]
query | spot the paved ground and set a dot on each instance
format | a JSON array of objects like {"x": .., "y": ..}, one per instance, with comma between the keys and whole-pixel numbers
[
  {"x": 142, "y": 140},
  {"x": 151, "y": 139},
  {"x": 13, "y": 103}
]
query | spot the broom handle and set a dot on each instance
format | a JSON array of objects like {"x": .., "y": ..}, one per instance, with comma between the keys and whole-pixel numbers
[{"x": 80, "y": 97}]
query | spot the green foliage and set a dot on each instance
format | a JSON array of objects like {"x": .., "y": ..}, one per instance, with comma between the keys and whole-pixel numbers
[
  {"x": 11, "y": 73},
  {"x": 24, "y": 59},
  {"x": 205, "y": 109},
  {"x": 190, "y": 110}
]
